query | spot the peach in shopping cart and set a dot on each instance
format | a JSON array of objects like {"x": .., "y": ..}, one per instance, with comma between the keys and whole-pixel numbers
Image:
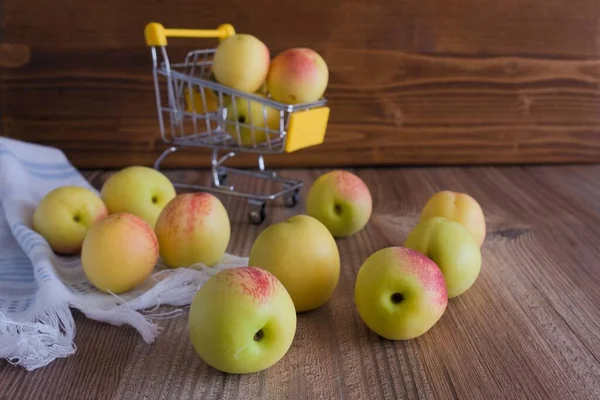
[
  {"x": 201, "y": 100},
  {"x": 241, "y": 62},
  {"x": 297, "y": 75},
  {"x": 253, "y": 118}
]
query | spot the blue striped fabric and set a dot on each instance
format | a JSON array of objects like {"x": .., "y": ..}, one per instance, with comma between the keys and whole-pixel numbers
[
  {"x": 27, "y": 172},
  {"x": 38, "y": 287}
]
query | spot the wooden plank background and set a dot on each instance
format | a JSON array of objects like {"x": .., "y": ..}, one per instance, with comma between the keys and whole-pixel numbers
[{"x": 412, "y": 82}]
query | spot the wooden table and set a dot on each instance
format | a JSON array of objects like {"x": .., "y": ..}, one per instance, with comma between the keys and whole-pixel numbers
[{"x": 529, "y": 328}]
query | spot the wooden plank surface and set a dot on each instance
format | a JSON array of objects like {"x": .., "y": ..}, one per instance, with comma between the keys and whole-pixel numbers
[
  {"x": 529, "y": 327},
  {"x": 412, "y": 82}
]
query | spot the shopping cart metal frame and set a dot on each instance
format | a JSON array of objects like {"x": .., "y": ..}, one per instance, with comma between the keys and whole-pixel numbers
[{"x": 194, "y": 110}]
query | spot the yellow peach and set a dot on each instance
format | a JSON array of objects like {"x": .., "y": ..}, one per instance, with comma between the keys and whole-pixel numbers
[
  {"x": 64, "y": 216},
  {"x": 253, "y": 118},
  {"x": 303, "y": 255},
  {"x": 241, "y": 62},
  {"x": 458, "y": 207},
  {"x": 119, "y": 252}
]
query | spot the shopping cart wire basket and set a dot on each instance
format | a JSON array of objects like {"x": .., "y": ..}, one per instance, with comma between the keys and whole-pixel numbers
[{"x": 194, "y": 110}]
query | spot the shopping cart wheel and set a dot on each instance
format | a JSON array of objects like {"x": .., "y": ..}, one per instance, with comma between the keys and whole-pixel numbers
[
  {"x": 258, "y": 215},
  {"x": 222, "y": 178},
  {"x": 292, "y": 199}
]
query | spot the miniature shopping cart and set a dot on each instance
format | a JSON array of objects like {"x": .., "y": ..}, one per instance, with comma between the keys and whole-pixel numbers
[{"x": 194, "y": 110}]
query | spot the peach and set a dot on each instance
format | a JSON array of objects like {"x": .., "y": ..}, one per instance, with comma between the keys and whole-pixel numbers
[
  {"x": 254, "y": 119},
  {"x": 400, "y": 293},
  {"x": 458, "y": 207},
  {"x": 341, "y": 201},
  {"x": 65, "y": 214},
  {"x": 297, "y": 75},
  {"x": 138, "y": 190},
  {"x": 303, "y": 256},
  {"x": 242, "y": 320},
  {"x": 452, "y": 248},
  {"x": 201, "y": 101},
  {"x": 119, "y": 252},
  {"x": 241, "y": 62},
  {"x": 193, "y": 228}
]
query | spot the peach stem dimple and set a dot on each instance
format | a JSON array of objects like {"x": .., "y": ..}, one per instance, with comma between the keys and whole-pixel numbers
[
  {"x": 337, "y": 209},
  {"x": 397, "y": 298}
]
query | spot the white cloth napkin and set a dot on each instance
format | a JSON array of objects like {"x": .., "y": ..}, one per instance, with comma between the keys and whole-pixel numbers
[{"x": 37, "y": 287}]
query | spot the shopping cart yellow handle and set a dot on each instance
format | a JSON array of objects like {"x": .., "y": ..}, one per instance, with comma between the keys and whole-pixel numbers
[{"x": 156, "y": 34}]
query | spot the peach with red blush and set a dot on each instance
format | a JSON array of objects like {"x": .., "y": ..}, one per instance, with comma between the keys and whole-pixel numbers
[{"x": 193, "y": 228}]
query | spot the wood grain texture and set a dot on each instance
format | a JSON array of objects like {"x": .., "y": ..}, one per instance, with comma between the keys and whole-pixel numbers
[
  {"x": 528, "y": 328},
  {"x": 411, "y": 82}
]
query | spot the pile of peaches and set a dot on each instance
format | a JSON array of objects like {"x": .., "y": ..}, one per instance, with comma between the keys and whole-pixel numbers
[
  {"x": 243, "y": 319},
  {"x": 296, "y": 75},
  {"x": 243, "y": 62}
]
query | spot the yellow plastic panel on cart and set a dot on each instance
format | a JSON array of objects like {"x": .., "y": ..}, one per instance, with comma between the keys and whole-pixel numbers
[{"x": 306, "y": 128}]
